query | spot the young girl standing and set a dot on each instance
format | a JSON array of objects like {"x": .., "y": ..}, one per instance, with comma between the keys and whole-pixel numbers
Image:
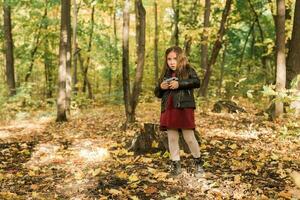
[{"x": 175, "y": 88}]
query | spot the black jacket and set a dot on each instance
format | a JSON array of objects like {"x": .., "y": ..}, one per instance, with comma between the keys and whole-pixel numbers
[{"x": 183, "y": 96}]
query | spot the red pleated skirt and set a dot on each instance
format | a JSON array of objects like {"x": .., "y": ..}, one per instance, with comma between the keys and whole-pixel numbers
[{"x": 177, "y": 118}]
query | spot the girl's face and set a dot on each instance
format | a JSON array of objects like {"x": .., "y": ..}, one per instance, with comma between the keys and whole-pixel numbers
[{"x": 172, "y": 60}]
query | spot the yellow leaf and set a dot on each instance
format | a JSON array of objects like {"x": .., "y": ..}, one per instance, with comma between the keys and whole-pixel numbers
[
  {"x": 154, "y": 144},
  {"x": 166, "y": 154},
  {"x": 133, "y": 178},
  {"x": 31, "y": 173},
  {"x": 146, "y": 160},
  {"x": 134, "y": 198},
  {"x": 233, "y": 146},
  {"x": 122, "y": 175}
]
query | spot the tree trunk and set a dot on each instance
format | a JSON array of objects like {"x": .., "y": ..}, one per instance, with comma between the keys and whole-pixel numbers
[
  {"x": 75, "y": 47},
  {"x": 187, "y": 45},
  {"x": 86, "y": 79},
  {"x": 244, "y": 48},
  {"x": 280, "y": 44},
  {"x": 64, "y": 61},
  {"x": 8, "y": 46},
  {"x": 204, "y": 37},
  {"x": 263, "y": 58},
  {"x": 48, "y": 61},
  {"x": 155, "y": 43},
  {"x": 151, "y": 139},
  {"x": 216, "y": 48},
  {"x": 222, "y": 70},
  {"x": 293, "y": 62},
  {"x": 140, "y": 14},
  {"x": 36, "y": 44},
  {"x": 48, "y": 69},
  {"x": 125, "y": 59},
  {"x": 90, "y": 94},
  {"x": 175, "y": 37}
]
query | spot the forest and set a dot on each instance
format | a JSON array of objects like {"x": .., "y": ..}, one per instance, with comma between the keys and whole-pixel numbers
[{"x": 78, "y": 114}]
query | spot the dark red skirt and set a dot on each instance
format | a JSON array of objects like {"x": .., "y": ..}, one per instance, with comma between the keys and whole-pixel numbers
[{"x": 177, "y": 118}]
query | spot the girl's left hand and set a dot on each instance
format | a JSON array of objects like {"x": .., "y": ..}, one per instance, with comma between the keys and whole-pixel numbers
[{"x": 173, "y": 85}]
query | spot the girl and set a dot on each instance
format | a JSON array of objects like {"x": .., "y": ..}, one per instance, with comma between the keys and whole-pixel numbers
[{"x": 177, "y": 106}]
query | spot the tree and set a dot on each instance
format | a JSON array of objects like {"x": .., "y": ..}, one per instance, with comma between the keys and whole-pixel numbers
[
  {"x": 9, "y": 52},
  {"x": 293, "y": 62},
  {"x": 64, "y": 61},
  {"x": 86, "y": 82},
  {"x": 131, "y": 101},
  {"x": 140, "y": 14},
  {"x": 280, "y": 57},
  {"x": 175, "y": 35},
  {"x": 125, "y": 59},
  {"x": 216, "y": 48},
  {"x": 155, "y": 43},
  {"x": 37, "y": 42},
  {"x": 204, "y": 38},
  {"x": 75, "y": 47}
]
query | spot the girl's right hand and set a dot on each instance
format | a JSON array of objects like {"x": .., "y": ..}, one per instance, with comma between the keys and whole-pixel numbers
[{"x": 164, "y": 85}]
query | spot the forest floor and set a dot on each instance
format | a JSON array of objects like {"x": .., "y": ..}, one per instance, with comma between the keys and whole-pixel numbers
[{"x": 246, "y": 157}]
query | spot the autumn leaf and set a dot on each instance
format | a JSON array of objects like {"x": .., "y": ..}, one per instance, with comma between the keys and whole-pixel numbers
[
  {"x": 150, "y": 190},
  {"x": 114, "y": 192}
]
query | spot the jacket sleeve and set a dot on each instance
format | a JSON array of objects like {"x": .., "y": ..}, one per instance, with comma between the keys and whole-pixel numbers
[
  {"x": 192, "y": 82},
  {"x": 158, "y": 92}
]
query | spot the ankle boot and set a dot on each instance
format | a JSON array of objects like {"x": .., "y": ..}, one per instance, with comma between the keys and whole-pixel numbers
[
  {"x": 198, "y": 166},
  {"x": 175, "y": 168}
]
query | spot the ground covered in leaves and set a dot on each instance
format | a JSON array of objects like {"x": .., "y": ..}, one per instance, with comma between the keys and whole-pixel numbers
[{"x": 246, "y": 157}]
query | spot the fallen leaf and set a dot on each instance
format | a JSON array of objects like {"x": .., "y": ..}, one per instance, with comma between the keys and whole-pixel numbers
[
  {"x": 296, "y": 178},
  {"x": 115, "y": 192},
  {"x": 150, "y": 190}
]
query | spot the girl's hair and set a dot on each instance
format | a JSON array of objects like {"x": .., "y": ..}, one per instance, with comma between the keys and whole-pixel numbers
[{"x": 182, "y": 63}]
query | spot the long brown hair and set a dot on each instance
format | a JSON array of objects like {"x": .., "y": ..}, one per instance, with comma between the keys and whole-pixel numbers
[{"x": 182, "y": 63}]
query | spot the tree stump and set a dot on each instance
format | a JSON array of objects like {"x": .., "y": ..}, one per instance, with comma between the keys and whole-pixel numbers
[
  {"x": 151, "y": 139},
  {"x": 229, "y": 105}
]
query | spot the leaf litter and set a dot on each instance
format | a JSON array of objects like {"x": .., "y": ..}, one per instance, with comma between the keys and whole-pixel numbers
[{"x": 245, "y": 157}]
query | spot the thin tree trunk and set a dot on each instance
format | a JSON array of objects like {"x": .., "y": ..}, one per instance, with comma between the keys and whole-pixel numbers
[
  {"x": 125, "y": 59},
  {"x": 140, "y": 14},
  {"x": 9, "y": 52},
  {"x": 175, "y": 37},
  {"x": 86, "y": 79},
  {"x": 75, "y": 47},
  {"x": 36, "y": 44},
  {"x": 216, "y": 48},
  {"x": 222, "y": 69},
  {"x": 155, "y": 43},
  {"x": 281, "y": 62},
  {"x": 263, "y": 58},
  {"x": 187, "y": 44},
  {"x": 47, "y": 60},
  {"x": 90, "y": 96},
  {"x": 204, "y": 37},
  {"x": 244, "y": 47},
  {"x": 64, "y": 61},
  {"x": 48, "y": 69}
]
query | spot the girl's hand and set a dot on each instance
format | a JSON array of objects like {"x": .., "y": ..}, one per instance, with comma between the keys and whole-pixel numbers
[
  {"x": 173, "y": 85},
  {"x": 164, "y": 85}
]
